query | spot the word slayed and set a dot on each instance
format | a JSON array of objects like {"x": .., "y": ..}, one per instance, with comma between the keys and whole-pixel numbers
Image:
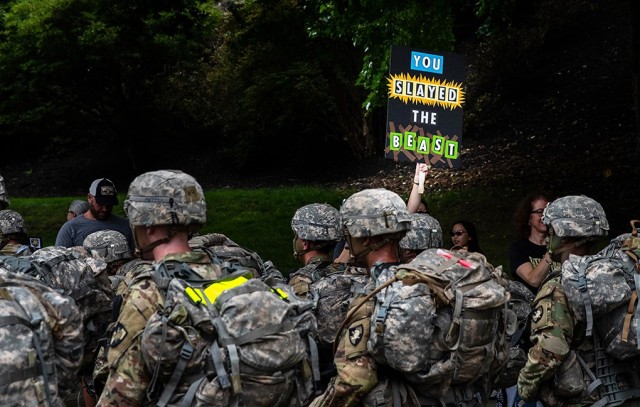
[
  {"x": 428, "y": 91},
  {"x": 411, "y": 141}
]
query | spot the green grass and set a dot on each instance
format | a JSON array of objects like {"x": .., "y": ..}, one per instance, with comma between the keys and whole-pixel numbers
[{"x": 260, "y": 219}]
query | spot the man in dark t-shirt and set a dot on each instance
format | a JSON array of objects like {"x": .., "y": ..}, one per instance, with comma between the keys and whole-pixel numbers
[{"x": 102, "y": 197}]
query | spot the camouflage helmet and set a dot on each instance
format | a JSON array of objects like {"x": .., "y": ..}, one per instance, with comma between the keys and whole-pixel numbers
[
  {"x": 576, "y": 216},
  {"x": 317, "y": 222},
  {"x": 373, "y": 212},
  {"x": 166, "y": 197},
  {"x": 11, "y": 222},
  {"x": 425, "y": 233},
  {"x": 4, "y": 198},
  {"x": 108, "y": 245}
]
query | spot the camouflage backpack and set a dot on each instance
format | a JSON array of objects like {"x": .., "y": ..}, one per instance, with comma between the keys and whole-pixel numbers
[
  {"x": 220, "y": 249},
  {"x": 232, "y": 341},
  {"x": 78, "y": 276},
  {"x": 520, "y": 299},
  {"x": 41, "y": 345},
  {"x": 330, "y": 295},
  {"x": 441, "y": 320},
  {"x": 602, "y": 292}
]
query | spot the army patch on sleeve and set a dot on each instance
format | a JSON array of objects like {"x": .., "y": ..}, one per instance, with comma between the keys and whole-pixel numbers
[
  {"x": 355, "y": 334},
  {"x": 118, "y": 335},
  {"x": 537, "y": 314}
]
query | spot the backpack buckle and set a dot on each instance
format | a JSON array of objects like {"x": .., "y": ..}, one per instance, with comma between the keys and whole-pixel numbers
[{"x": 187, "y": 351}]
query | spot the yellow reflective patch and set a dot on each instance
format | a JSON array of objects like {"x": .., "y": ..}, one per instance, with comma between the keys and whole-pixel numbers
[
  {"x": 194, "y": 294},
  {"x": 213, "y": 291},
  {"x": 283, "y": 294}
]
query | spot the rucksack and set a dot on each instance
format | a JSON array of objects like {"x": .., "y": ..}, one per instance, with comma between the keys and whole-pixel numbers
[
  {"x": 41, "y": 342},
  {"x": 221, "y": 249},
  {"x": 602, "y": 292},
  {"x": 441, "y": 320},
  {"x": 78, "y": 276},
  {"x": 232, "y": 341},
  {"x": 518, "y": 331},
  {"x": 302, "y": 278},
  {"x": 330, "y": 295}
]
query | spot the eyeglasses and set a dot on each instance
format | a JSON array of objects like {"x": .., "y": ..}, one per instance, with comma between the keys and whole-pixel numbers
[
  {"x": 458, "y": 233},
  {"x": 538, "y": 211}
]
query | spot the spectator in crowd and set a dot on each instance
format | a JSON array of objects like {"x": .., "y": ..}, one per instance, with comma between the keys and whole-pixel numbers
[
  {"x": 77, "y": 208},
  {"x": 529, "y": 260},
  {"x": 530, "y": 263},
  {"x": 417, "y": 202},
  {"x": 102, "y": 198},
  {"x": 464, "y": 235}
]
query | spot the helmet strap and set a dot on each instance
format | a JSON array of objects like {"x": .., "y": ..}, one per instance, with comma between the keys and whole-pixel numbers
[
  {"x": 171, "y": 232},
  {"x": 360, "y": 257},
  {"x": 310, "y": 247},
  {"x": 148, "y": 248}
]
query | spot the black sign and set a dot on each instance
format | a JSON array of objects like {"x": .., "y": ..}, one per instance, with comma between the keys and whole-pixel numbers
[{"x": 424, "y": 109}]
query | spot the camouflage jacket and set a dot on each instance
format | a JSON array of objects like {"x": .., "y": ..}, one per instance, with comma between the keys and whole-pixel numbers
[
  {"x": 313, "y": 271},
  {"x": 128, "y": 378},
  {"x": 357, "y": 373},
  {"x": 552, "y": 333}
]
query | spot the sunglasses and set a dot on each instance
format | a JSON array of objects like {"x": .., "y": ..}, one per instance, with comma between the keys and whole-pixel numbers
[{"x": 458, "y": 233}]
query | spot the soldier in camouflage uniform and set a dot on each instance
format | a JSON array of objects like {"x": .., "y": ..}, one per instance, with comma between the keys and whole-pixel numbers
[
  {"x": 163, "y": 207},
  {"x": 110, "y": 246},
  {"x": 316, "y": 230},
  {"x": 4, "y": 198},
  {"x": 575, "y": 223},
  {"x": 425, "y": 233},
  {"x": 373, "y": 221},
  {"x": 13, "y": 241}
]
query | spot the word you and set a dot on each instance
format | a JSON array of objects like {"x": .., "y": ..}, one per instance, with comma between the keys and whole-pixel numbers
[{"x": 426, "y": 62}]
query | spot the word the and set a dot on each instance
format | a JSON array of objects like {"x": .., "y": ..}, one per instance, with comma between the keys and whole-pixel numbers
[
  {"x": 411, "y": 141},
  {"x": 422, "y": 117}
]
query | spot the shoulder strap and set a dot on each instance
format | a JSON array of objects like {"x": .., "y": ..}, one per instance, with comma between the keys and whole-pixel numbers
[
  {"x": 586, "y": 300},
  {"x": 165, "y": 271}
]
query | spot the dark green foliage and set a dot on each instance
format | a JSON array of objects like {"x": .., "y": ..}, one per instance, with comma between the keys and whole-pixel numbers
[
  {"x": 119, "y": 70},
  {"x": 296, "y": 76}
]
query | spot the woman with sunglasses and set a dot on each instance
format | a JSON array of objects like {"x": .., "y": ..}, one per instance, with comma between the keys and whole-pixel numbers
[
  {"x": 529, "y": 264},
  {"x": 529, "y": 261},
  {"x": 464, "y": 235}
]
